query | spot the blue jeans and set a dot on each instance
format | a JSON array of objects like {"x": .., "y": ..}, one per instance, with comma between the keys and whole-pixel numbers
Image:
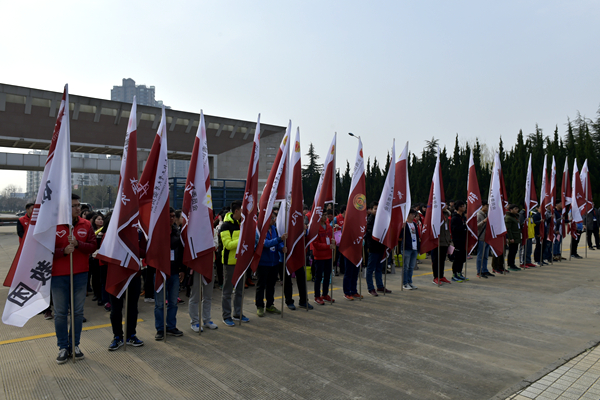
[
  {"x": 483, "y": 250},
  {"x": 556, "y": 247},
  {"x": 61, "y": 297},
  {"x": 409, "y": 259},
  {"x": 374, "y": 265},
  {"x": 171, "y": 285}
]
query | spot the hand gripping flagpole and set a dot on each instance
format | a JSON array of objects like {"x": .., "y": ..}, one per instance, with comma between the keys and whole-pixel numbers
[{"x": 72, "y": 298}]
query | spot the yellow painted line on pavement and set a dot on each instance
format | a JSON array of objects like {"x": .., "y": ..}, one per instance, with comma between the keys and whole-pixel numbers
[{"x": 45, "y": 335}]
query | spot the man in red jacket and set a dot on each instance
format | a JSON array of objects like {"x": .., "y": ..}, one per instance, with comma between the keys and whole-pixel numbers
[
  {"x": 80, "y": 244},
  {"x": 23, "y": 222},
  {"x": 322, "y": 247}
]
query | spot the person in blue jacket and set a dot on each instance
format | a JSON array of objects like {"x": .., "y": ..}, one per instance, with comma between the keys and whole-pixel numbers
[{"x": 267, "y": 269}]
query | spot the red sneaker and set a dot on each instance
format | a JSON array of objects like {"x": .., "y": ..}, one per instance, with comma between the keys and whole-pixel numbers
[
  {"x": 524, "y": 266},
  {"x": 530, "y": 265},
  {"x": 319, "y": 300},
  {"x": 436, "y": 281},
  {"x": 327, "y": 298},
  {"x": 444, "y": 280},
  {"x": 357, "y": 296},
  {"x": 348, "y": 297}
]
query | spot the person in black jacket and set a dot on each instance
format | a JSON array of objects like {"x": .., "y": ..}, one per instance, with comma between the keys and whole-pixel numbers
[
  {"x": 458, "y": 227},
  {"x": 376, "y": 252},
  {"x": 171, "y": 286}
]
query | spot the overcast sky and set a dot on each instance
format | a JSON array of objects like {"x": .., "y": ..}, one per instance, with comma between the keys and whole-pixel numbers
[{"x": 409, "y": 70}]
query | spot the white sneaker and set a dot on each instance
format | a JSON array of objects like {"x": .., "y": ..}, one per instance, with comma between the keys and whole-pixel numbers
[
  {"x": 407, "y": 287},
  {"x": 413, "y": 286},
  {"x": 210, "y": 325},
  {"x": 196, "y": 328},
  {"x": 148, "y": 300}
]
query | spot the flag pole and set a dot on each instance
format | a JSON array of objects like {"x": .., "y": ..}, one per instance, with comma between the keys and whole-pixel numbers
[
  {"x": 164, "y": 288},
  {"x": 439, "y": 268},
  {"x": 466, "y": 253},
  {"x": 125, "y": 325},
  {"x": 234, "y": 289},
  {"x": 283, "y": 275},
  {"x": 72, "y": 299},
  {"x": 332, "y": 250},
  {"x": 360, "y": 273},
  {"x": 200, "y": 283},
  {"x": 305, "y": 275}
]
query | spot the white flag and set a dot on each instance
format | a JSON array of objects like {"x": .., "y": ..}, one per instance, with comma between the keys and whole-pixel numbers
[
  {"x": 30, "y": 288},
  {"x": 383, "y": 216}
]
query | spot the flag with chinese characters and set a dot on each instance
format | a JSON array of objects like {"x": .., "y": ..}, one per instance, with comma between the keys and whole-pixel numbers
[
  {"x": 29, "y": 292},
  {"x": 247, "y": 237},
  {"x": 295, "y": 240},
  {"x": 434, "y": 215},
  {"x": 120, "y": 247},
  {"x": 545, "y": 198},
  {"x": 355, "y": 222},
  {"x": 473, "y": 206},
  {"x": 565, "y": 194},
  {"x": 383, "y": 217},
  {"x": 495, "y": 229},
  {"x": 197, "y": 229},
  {"x": 324, "y": 193},
  {"x": 155, "y": 218}
]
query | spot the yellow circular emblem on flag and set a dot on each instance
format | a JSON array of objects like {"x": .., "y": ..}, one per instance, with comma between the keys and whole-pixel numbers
[
  {"x": 297, "y": 147},
  {"x": 360, "y": 202}
]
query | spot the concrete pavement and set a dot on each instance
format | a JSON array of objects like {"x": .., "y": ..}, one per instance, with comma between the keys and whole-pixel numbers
[{"x": 474, "y": 340}]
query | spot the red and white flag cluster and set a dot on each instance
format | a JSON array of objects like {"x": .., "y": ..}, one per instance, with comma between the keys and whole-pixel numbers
[
  {"x": 31, "y": 272},
  {"x": 530, "y": 200}
]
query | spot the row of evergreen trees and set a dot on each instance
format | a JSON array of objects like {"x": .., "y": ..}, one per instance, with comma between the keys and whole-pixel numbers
[{"x": 581, "y": 141}]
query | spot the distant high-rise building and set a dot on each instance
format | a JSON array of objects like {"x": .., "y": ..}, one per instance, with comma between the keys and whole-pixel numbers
[{"x": 144, "y": 94}]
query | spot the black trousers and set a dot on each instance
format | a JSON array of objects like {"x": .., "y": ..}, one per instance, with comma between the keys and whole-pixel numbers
[
  {"x": 267, "y": 278},
  {"x": 301, "y": 282},
  {"x": 116, "y": 314},
  {"x": 322, "y": 272},
  {"x": 460, "y": 256},
  {"x": 441, "y": 259},
  {"x": 574, "y": 244},
  {"x": 594, "y": 233},
  {"x": 538, "y": 249},
  {"x": 149, "y": 282},
  {"x": 513, "y": 248},
  {"x": 95, "y": 276}
]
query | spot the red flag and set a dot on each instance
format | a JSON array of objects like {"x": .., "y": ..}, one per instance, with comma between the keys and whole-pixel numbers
[
  {"x": 495, "y": 228},
  {"x": 154, "y": 205},
  {"x": 323, "y": 195},
  {"x": 355, "y": 222},
  {"x": 197, "y": 231},
  {"x": 272, "y": 191},
  {"x": 296, "y": 232},
  {"x": 29, "y": 277},
  {"x": 530, "y": 200},
  {"x": 247, "y": 237},
  {"x": 434, "y": 215},
  {"x": 120, "y": 247},
  {"x": 473, "y": 206}
]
